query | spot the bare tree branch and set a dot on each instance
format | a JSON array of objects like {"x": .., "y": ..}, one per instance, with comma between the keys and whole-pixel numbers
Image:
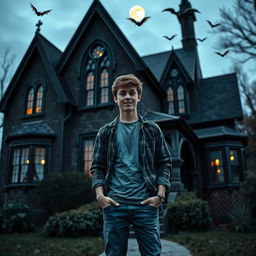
[
  {"x": 238, "y": 30},
  {"x": 6, "y": 65}
]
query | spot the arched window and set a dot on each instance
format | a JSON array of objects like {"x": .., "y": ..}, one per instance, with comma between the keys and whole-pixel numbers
[
  {"x": 97, "y": 76},
  {"x": 181, "y": 99},
  {"x": 89, "y": 90},
  {"x": 170, "y": 100},
  {"x": 104, "y": 78},
  {"x": 39, "y": 99},
  {"x": 30, "y": 102}
]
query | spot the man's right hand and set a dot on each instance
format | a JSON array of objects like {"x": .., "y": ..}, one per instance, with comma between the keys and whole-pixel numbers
[{"x": 105, "y": 201}]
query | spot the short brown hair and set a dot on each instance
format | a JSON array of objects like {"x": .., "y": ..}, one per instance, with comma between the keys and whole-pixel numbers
[{"x": 124, "y": 80}]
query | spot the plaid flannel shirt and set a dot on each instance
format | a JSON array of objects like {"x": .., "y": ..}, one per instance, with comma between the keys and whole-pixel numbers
[{"x": 155, "y": 159}]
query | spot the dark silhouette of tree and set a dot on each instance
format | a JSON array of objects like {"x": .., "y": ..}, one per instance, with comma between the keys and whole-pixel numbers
[
  {"x": 248, "y": 94},
  {"x": 238, "y": 30},
  {"x": 6, "y": 71},
  {"x": 6, "y": 64},
  {"x": 238, "y": 34}
]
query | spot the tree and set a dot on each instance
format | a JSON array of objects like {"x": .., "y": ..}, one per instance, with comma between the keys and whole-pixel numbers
[
  {"x": 238, "y": 34},
  {"x": 6, "y": 69},
  {"x": 238, "y": 30},
  {"x": 248, "y": 93}
]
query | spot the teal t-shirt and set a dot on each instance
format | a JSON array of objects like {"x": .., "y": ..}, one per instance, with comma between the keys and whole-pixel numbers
[{"x": 126, "y": 182}]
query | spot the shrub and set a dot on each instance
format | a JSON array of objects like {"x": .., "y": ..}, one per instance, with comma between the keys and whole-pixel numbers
[
  {"x": 86, "y": 220},
  {"x": 60, "y": 192},
  {"x": 16, "y": 217},
  {"x": 249, "y": 190},
  {"x": 241, "y": 219},
  {"x": 189, "y": 213}
]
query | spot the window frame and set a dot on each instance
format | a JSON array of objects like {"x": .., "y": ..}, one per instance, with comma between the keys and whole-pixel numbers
[
  {"x": 170, "y": 88},
  {"x": 98, "y": 67},
  {"x": 31, "y": 166},
  {"x": 175, "y": 86},
  {"x": 82, "y": 139},
  {"x": 209, "y": 167},
  {"x": 225, "y": 148},
  {"x": 35, "y": 86}
]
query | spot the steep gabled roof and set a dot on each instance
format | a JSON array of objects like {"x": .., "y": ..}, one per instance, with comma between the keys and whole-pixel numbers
[
  {"x": 53, "y": 52},
  {"x": 158, "y": 62},
  {"x": 188, "y": 60},
  {"x": 98, "y": 9},
  {"x": 49, "y": 55},
  {"x": 218, "y": 99}
]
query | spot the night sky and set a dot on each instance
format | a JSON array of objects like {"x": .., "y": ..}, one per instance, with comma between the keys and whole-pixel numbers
[{"x": 17, "y": 25}]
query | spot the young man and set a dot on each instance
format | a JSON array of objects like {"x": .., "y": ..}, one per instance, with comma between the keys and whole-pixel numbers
[{"x": 130, "y": 170}]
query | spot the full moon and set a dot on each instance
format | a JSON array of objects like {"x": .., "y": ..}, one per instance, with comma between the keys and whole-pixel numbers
[{"x": 137, "y": 13}]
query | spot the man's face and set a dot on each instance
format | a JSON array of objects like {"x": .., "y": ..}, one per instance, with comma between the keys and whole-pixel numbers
[{"x": 127, "y": 98}]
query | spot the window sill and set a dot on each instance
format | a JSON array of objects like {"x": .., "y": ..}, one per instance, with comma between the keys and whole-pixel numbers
[
  {"x": 23, "y": 186},
  {"x": 226, "y": 186},
  {"x": 95, "y": 107},
  {"x": 31, "y": 116}
]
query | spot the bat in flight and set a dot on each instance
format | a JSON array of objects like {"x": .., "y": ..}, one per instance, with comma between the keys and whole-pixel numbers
[
  {"x": 189, "y": 10},
  {"x": 178, "y": 14},
  {"x": 222, "y": 54},
  {"x": 213, "y": 25},
  {"x": 170, "y": 38},
  {"x": 202, "y": 39},
  {"x": 138, "y": 23},
  {"x": 37, "y": 12}
]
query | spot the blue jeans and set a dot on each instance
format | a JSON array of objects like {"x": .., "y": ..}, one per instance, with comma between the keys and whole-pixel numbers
[{"x": 144, "y": 219}]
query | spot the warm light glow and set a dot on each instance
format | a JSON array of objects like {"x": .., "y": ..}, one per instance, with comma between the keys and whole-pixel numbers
[
  {"x": 42, "y": 162},
  {"x": 137, "y": 12},
  {"x": 219, "y": 171},
  {"x": 27, "y": 161},
  {"x": 232, "y": 157},
  {"x": 99, "y": 53},
  {"x": 217, "y": 162},
  {"x": 29, "y": 111},
  {"x": 212, "y": 163},
  {"x": 38, "y": 109}
]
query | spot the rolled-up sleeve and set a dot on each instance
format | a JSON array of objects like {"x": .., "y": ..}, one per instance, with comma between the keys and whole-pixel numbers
[{"x": 99, "y": 162}]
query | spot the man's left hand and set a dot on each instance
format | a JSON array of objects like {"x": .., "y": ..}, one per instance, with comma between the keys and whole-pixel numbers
[{"x": 154, "y": 201}]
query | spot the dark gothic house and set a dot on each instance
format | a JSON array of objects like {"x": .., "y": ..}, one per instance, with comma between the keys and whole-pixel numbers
[{"x": 57, "y": 101}]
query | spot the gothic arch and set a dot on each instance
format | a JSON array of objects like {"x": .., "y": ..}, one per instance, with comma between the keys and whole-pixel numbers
[{"x": 187, "y": 169}]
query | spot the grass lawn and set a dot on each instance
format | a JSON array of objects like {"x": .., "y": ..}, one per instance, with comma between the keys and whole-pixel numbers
[
  {"x": 217, "y": 243},
  {"x": 212, "y": 243},
  {"x": 36, "y": 244}
]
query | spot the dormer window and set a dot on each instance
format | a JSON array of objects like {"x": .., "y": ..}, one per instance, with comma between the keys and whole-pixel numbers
[
  {"x": 176, "y": 100},
  {"x": 170, "y": 99},
  {"x": 181, "y": 99},
  {"x": 39, "y": 99},
  {"x": 34, "y": 100},
  {"x": 30, "y": 101}
]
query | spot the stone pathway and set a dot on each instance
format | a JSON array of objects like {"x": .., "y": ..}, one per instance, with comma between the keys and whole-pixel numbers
[{"x": 168, "y": 249}]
